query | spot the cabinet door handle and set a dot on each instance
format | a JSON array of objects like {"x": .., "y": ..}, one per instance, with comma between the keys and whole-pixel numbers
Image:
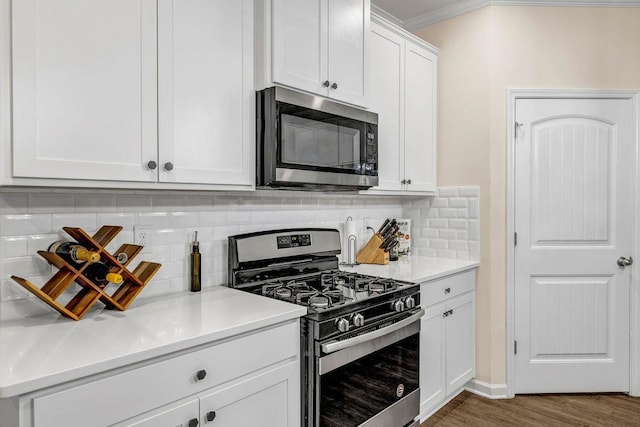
[
  {"x": 334, "y": 86},
  {"x": 152, "y": 164},
  {"x": 404, "y": 181},
  {"x": 326, "y": 83},
  {"x": 168, "y": 166},
  {"x": 193, "y": 422},
  {"x": 450, "y": 312},
  {"x": 408, "y": 181},
  {"x": 201, "y": 374},
  {"x": 211, "y": 415},
  {"x": 447, "y": 290},
  {"x": 445, "y": 314}
]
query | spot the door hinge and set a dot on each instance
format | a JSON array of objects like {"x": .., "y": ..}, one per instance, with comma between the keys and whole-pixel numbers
[
  {"x": 515, "y": 239},
  {"x": 515, "y": 347}
]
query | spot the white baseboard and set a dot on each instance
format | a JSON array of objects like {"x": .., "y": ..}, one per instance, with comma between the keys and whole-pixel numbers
[{"x": 490, "y": 391}]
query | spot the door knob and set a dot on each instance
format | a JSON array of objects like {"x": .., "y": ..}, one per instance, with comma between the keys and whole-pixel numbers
[
  {"x": 326, "y": 83},
  {"x": 625, "y": 262},
  {"x": 408, "y": 181},
  {"x": 152, "y": 164},
  {"x": 334, "y": 86},
  {"x": 168, "y": 166}
]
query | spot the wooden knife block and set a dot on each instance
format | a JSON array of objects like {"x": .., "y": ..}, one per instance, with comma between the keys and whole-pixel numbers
[{"x": 371, "y": 253}]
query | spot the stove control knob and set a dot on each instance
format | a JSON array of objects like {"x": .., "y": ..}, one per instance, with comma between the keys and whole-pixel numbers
[
  {"x": 409, "y": 302},
  {"x": 398, "y": 306},
  {"x": 358, "y": 320},
  {"x": 342, "y": 325}
]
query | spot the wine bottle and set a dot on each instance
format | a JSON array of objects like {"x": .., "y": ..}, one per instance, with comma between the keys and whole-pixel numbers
[
  {"x": 74, "y": 253},
  {"x": 101, "y": 275}
]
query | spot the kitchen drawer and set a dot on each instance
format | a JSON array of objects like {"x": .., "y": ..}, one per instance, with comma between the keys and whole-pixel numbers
[
  {"x": 447, "y": 287},
  {"x": 118, "y": 397}
]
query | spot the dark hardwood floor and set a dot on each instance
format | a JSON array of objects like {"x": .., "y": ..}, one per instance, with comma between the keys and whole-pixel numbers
[{"x": 593, "y": 410}]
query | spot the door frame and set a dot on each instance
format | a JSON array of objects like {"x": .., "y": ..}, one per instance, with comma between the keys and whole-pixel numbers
[{"x": 634, "y": 313}]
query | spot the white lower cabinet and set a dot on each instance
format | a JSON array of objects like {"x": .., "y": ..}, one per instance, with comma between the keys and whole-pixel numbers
[
  {"x": 260, "y": 400},
  {"x": 447, "y": 339},
  {"x": 249, "y": 380}
]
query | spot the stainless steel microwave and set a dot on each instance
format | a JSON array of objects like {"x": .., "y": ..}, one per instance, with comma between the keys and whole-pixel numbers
[{"x": 309, "y": 142}]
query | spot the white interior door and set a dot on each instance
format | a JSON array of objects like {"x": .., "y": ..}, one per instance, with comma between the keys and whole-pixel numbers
[{"x": 574, "y": 160}]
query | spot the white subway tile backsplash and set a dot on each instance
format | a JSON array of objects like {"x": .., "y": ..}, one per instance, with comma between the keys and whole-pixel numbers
[
  {"x": 448, "y": 192},
  {"x": 50, "y": 202},
  {"x": 31, "y": 220},
  {"x": 447, "y": 213},
  {"x": 469, "y": 191},
  {"x": 459, "y": 224},
  {"x": 184, "y": 219},
  {"x": 474, "y": 230},
  {"x": 95, "y": 203},
  {"x": 447, "y": 234},
  {"x": 474, "y": 208},
  {"x": 13, "y": 203},
  {"x": 154, "y": 219},
  {"x": 87, "y": 221},
  {"x": 439, "y": 223},
  {"x": 15, "y": 225},
  {"x": 14, "y": 245},
  {"x": 133, "y": 203},
  {"x": 448, "y": 223},
  {"x": 124, "y": 220}
]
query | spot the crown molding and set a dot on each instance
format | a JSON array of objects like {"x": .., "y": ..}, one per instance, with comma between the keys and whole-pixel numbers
[
  {"x": 466, "y": 6},
  {"x": 386, "y": 15}
]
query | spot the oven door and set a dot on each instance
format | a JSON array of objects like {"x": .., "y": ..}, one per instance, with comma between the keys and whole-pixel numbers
[{"x": 371, "y": 379}]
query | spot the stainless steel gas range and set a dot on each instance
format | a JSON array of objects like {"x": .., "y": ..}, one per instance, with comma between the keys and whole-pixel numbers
[{"x": 360, "y": 338}]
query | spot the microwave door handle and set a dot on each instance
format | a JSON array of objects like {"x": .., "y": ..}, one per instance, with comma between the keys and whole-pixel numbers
[{"x": 334, "y": 346}]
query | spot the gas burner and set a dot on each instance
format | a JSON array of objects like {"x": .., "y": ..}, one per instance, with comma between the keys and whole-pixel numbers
[
  {"x": 333, "y": 279},
  {"x": 380, "y": 286},
  {"x": 320, "y": 299},
  {"x": 285, "y": 291}
]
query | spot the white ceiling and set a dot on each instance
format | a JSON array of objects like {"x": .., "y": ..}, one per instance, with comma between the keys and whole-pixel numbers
[
  {"x": 415, "y": 14},
  {"x": 407, "y": 9}
]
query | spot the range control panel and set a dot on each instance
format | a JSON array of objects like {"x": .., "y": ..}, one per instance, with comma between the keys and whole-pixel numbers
[{"x": 293, "y": 241}]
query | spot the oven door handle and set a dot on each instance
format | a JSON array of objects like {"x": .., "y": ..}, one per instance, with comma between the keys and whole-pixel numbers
[{"x": 334, "y": 346}]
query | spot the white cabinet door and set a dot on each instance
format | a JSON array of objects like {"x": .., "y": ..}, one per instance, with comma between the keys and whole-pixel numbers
[
  {"x": 300, "y": 44},
  {"x": 460, "y": 341},
  {"x": 348, "y": 32},
  {"x": 271, "y": 399},
  {"x": 319, "y": 46},
  {"x": 206, "y": 95},
  {"x": 420, "y": 113},
  {"x": 84, "y": 89},
  {"x": 173, "y": 416},
  {"x": 386, "y": 55},
  {"x": 432, "y": 358}
]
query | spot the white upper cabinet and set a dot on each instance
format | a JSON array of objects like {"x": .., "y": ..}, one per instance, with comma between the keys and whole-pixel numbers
[
  {"x": 84, "y": 89},
  {"x": 318, "y": 46},
  {"x": 133, "y": 93},
  {"x": 206, "y": 96},
  {"x": 403, "y": 93},
  {"x": 419, "y": 119}
]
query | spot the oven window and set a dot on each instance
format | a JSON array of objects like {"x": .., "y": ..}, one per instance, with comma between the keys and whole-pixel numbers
[
  {"x": 353, "y": 393},
  {"x": 319, "y": 144}
]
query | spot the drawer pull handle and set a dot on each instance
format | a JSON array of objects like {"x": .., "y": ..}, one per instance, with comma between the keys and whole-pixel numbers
[
  {"x": 193, "y": 422},
  {"x": 211, "y": 415},
  {"x": 201, "y": 374},
  {"x": 447, "y": 290}
]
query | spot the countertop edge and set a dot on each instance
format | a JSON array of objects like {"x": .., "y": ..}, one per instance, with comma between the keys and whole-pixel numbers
[
  {"x": 448, "y": 272},
  {"x": 22, "y": 388}
]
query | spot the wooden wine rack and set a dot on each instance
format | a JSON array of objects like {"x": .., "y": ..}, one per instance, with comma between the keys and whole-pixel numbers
[{"x": 123, "y": 296}]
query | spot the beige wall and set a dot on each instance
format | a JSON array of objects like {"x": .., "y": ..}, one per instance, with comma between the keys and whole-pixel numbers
[{"x": 483, "y": 53}]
